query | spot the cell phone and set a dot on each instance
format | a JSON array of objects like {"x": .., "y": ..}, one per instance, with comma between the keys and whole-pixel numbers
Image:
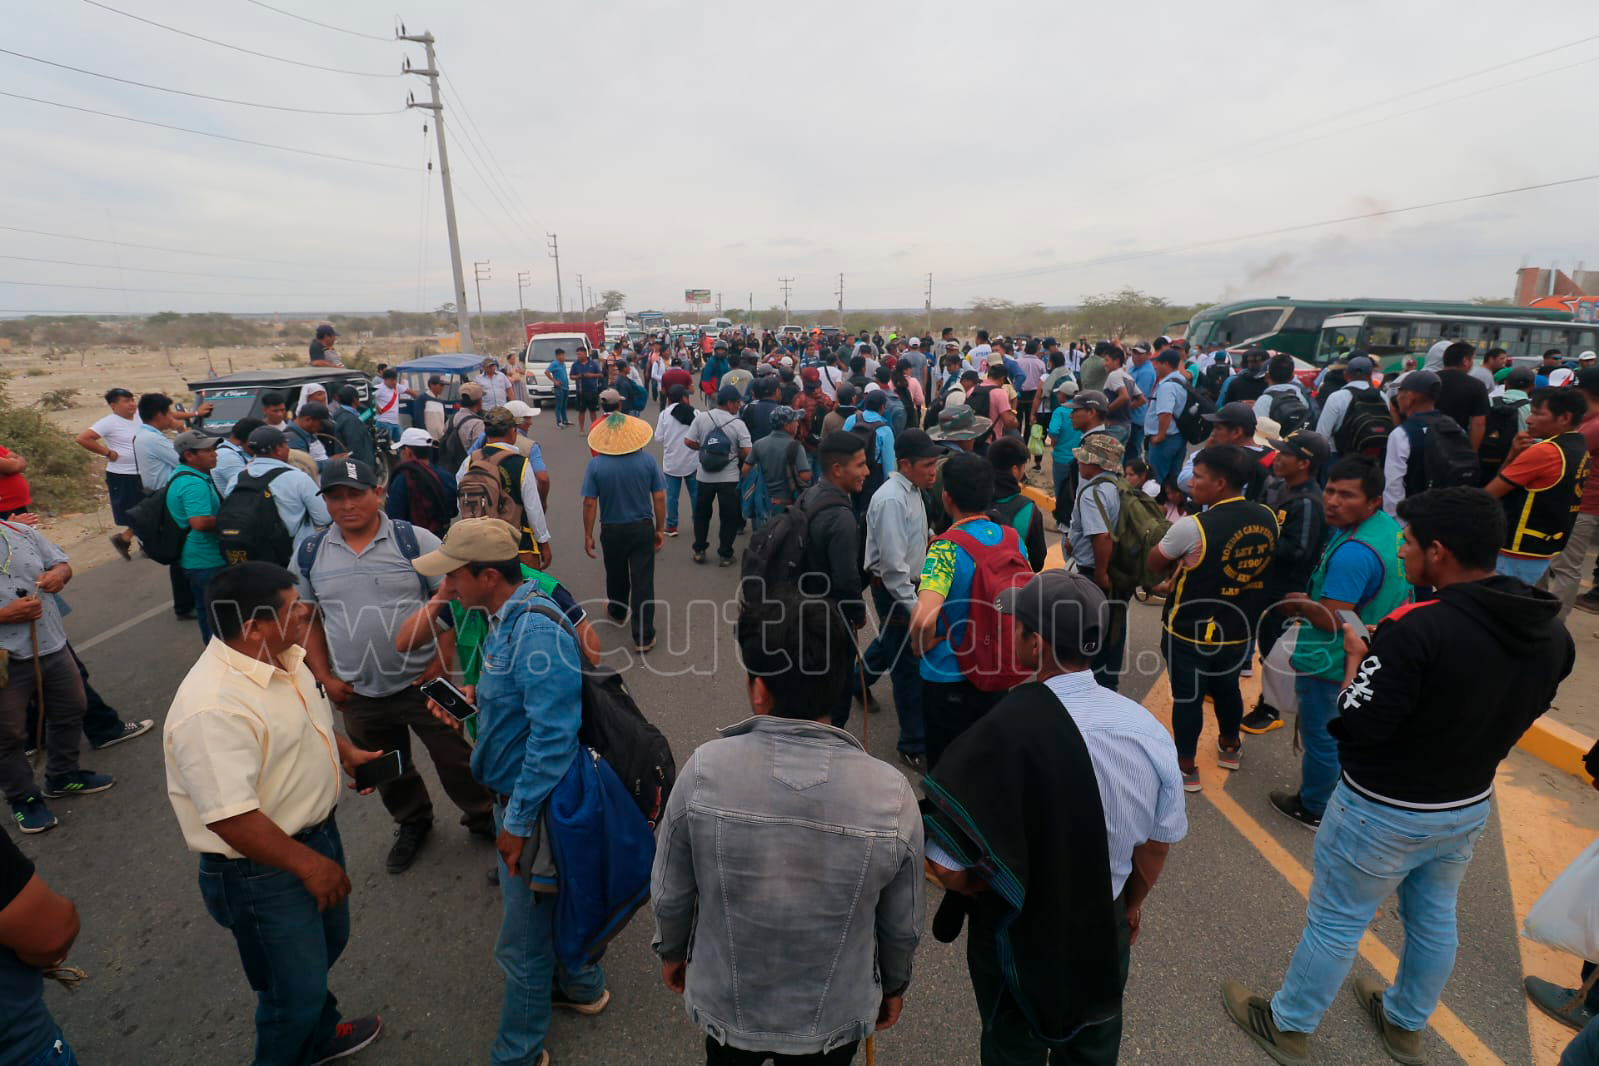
[
  {"x": 379, "y": 771},
  {"x": 452, "y": 699},
  {"x": 1352, "y": 620}
]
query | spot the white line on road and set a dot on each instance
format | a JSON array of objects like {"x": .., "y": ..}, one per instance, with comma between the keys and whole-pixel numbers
[{"x": 101, "y": 638}]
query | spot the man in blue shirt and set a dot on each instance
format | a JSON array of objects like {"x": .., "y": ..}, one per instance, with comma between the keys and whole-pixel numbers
[
  {"x": 527, "y": 724},
  {"x": 587, "y": 375},
  {"x": 420, "y": 490},
  {"x": 1143, "y": 374},
  {"x": 156, "y": 459},
  {"x": 624, "y": 486},
  {"x": 563, "y": 385},
  {"x": 1164, "y": 445}
]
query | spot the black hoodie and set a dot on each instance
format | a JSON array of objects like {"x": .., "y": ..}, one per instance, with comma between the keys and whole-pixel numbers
[{"x": 1448, "y": 688}]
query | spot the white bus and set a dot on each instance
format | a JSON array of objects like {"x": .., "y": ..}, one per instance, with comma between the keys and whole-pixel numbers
[{"x": 1391, "y": 336}]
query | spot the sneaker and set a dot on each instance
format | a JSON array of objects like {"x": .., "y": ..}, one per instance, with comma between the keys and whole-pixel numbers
[
  {"x": 1564, "y": 1005},
  {"x": 348, "y": 1038},
  {"x": 726, "y": 560},
  {"x": 123, "y": 548},
  {"x": 1263, "y": 719},
  {"x": 408, "y": 840},
  {"x": 28, "y": 753},
  {"x": 129, "y": 731},
  {"x": 1253, "y": 1015},
  {"x": 591, "y": 1008},
  {"x": 1247, "y": 671},
  {"x": 1191, "y": 780},
  {"x": 1289, "y": 805},
  {"x": 1402, "y": 1045},
  {"x": 699, "y": 557},
  {"x": 77, "y": 783},
  {"x": 671, "y": 531},
  {"x": 1588, "y": 601},
  {"x": 32, "y": 816},
  {"x": 1229, "y": 758},
  {"x": 648, "y": 645},
  {"x": 914, "y": 762}
]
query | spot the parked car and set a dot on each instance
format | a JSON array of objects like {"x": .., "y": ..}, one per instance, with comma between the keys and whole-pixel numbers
[{"x": 540, "y": 353}]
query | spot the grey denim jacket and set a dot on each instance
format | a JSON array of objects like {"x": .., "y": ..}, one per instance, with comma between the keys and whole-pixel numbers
[{"x": 788, "y": 872}]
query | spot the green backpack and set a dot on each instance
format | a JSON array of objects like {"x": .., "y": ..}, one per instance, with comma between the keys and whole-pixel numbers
[{"x": 1139, "y": 527}]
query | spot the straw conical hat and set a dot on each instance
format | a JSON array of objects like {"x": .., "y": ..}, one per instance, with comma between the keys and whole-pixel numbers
[{"x": 619, "y": 434}]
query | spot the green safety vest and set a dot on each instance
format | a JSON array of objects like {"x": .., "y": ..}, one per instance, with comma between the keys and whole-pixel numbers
[{"x": 1320, "y": 654}]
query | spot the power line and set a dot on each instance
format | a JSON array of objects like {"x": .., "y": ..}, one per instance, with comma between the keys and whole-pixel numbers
[
  {"x": 510, "y": 215},
  {"x": 197, "y": 96},
  {"x": 466, "y": 141},
  {"x": 149, "y": 247},
  {"x": 488, "y": 147},
  {"x": 204, "y": 133},
  {"x": 324, "y": 25},
  {"x": 182, "y": 273},
  {"x": 236, "y": 48},
  {"x": 122, "y": 288}
]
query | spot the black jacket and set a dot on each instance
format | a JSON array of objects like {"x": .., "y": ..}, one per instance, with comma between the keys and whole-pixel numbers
[
  {"x": 834, "y": 550},
  {"x": 1448, "y": 688},
  {"x": 1302, "y": 532}
]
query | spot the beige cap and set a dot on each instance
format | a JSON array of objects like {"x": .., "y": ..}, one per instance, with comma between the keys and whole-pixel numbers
[
  {"x": 471, "y": 540},
  {"x": 471, "y": 390}
]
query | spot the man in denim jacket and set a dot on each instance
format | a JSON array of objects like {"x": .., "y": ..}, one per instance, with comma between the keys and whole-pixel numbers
[{"x": 788, "y": 886}]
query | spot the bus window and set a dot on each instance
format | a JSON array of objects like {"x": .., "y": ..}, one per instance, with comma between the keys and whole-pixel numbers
[
  {"x": 1477, "y": 334},
  {"x": 1581, "y": 341},
  {"x": 1305, "y": 319},
  {"x": 1386, "y": 337},
  {"x": 1513, "y": 339},
  {"x": 1546, "y": 337},
  {"x": 1335, "y": 342},
  {"x": 1424, "y": 335},
  {"x": 1239, "y": 327}
]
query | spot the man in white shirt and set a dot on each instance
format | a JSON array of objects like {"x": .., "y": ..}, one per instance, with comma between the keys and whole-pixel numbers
[
  {"x": 496, "y": 386},
  {"x": 435, "y": 408},
  {"x": 389, "y": 399},
  {"x": 112, "y": 438},
  {"x": 977, "y": 358},
  {"x": 1357, "y": 376},
  {"x": 720, "y": 484},
  {"x": 678, "y": 461}
]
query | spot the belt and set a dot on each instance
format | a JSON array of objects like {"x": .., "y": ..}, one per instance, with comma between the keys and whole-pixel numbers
[{"x": 302, "y": 836}]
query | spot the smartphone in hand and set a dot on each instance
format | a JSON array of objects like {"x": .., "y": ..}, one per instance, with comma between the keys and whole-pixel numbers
[
  {"x": 379, "y": 771},
  {"x": 1352, "y": 620},
  {"x": 452, "y": 699}
]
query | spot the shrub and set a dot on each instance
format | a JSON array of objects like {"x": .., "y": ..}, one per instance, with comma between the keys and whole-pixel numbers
[
  {"x": 58, "y": 399},
  {"x": 58, "y": 470}
]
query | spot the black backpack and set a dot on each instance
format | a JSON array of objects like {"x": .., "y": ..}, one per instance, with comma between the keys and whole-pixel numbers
[
  {"x": 1214, "y": 377},
  {"x": 1191, "y": 424},
  {"x": 978, "y": 399},
  {"x": 614, "y": 727},
  {"x": 1443, "y": 452},
  {"x": 428, "y": 504},
  {"x": 1504, "y": 422},
  {"x": 452, "y": 452},
  {"x": 775, "y": 557},
  {"x": 1289, "y": 410},
  {"x": 248, "y": 523},
  {"x": 875, "y": 474},
  {"x": 159, "y": 533},
  {"x": 1335, "y": 378},
  {"x": 1366, "y": 424},
  {"x": 716, "y": 450}
]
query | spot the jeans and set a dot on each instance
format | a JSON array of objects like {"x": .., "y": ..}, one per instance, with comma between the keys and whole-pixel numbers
[
  {"x": 63, "y": 706},
  {"x": 1112, "y": 654},
  {"x": 949, "y": 708},
  {"x": 1135, "y": 439},
  {"x": 1061, "y": 475},
  {"x": 561, "y": 393},
  {"x": 1318, "y": 766},
  {"x": 1166, "y": 457},
  {"x": 1007, "y": 1039},
  {"x": 890, "y": 653},
  {"x": 629, "y": 550},
  {"x": 100, "y": 722},
  {"x": 1584, "y": 1047},
  {"x": 674, "y": 484},
  {"x": 1529, "y": 570},
  {"x": 722, "y": 1055},
  {"x": 198, "y": 580},
  {"x": 1565, "y": 574},
  {"x": 385, "y": 723},
  {"x": 182, "y": 591},
  {"x": 525, "y": 951},
  {"x": 1364, "y": 851},
  {"x": 286, "y": 945},
  {"x": 58, "y": 1053},
  {"x": 723, "y": 495},
  {"x": 1195, "y": 673}
]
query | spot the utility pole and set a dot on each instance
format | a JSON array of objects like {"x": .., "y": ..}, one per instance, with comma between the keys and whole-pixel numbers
[
  {"x": 929, "y": 305},
  {"x": 788, "y": 284},
  {"x": 481, "y": 273},
  {"x": 524, "y": 278},
  {"x": 463, "y": 314},
  {"x": 584, "y": 309},
  {"x": 752, "y": 305},
  {"x": 718, "y": 303},
  {"x": 840, "y": 295},
  {"x": 555, "y": 254}
]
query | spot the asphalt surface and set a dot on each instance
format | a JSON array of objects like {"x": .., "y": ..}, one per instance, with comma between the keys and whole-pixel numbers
[{"x": 166, "y": 987}]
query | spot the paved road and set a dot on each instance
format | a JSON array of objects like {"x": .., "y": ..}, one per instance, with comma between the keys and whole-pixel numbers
[{"x": 166, "y": 986}]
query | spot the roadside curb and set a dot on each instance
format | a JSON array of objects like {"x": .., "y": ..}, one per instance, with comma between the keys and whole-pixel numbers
[{"x": 1558, "y": 745}]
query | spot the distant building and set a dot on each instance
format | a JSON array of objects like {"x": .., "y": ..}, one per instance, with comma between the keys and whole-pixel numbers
[{"x": 1541, "y": 287}]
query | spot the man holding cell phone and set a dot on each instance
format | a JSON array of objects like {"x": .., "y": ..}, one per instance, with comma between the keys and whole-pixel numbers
[{"x": 252, "y": 764}]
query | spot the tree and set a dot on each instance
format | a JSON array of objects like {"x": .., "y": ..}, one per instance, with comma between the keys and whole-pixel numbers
[
  {"x": 612, "y": 300},
  {"x": 1124, "y": 313}
]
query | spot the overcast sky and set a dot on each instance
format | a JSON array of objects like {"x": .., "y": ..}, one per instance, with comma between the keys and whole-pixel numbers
[{"x": 1021, "y": 150}]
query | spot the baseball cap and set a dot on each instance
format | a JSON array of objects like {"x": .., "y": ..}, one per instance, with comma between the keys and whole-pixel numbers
[
  {"x": 471, "y": 540},
  {"x": 1102, "y": 450},
  {"x": 314, "y": 410},
  {"x": 611, "y": 396},
  {"x": 1304, "y": 444},
  {"x": 414, "y": 437},
  {"x": 265, "y": 439},
  {"x": 521, "y": 410},
  {"x": 1066, "y": 386},
  {"x": 471, "y": 391},
  {"x": 1587, "y": 357},
  {"x": 1064, "y": 608},
  {"x": 915, "y": 342},
  {"x": 1424, "y": 381},
  {"x": 996, "y": 359},
  {"x": 1235, "y": 415},
  {"x": 1142, "y": 347},
  {"x": 1091, "y": 400},
  {"x": 916, "y": 444},
  {"x": 192, "y": 440},
  {"x": 1361, "y": 365},
  {"x": 348, "y": 473},
  {"x": 728, "y": 394},
  {"x": 1520, "y": 377},
  {"x": 499, "y": 419}
]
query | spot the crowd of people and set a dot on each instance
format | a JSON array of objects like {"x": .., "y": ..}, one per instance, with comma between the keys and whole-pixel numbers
[{"x": 1395, "y": 557}]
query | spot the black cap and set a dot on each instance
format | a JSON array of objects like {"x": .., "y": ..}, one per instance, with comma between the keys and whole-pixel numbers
[
  {"x": 351, "y": 473},
  {"x": 1236, "y": 415},
  {"x": 1064, "y": 608},
  {"x": 916, "y": 444},
  {"x": 265, "y": 440},
  {"x": 1522, "y": 377},
  {"x": 1305, "y": 444},
  {"x": 1424, "y": 381}
]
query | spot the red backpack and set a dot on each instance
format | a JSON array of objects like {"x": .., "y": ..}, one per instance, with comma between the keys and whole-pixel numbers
[{"x": 985, "y": 643}]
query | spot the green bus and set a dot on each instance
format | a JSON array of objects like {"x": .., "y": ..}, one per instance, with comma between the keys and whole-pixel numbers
[
  {"x": 1390, "y": 337},
  {"x": 1294, "y": 326}
]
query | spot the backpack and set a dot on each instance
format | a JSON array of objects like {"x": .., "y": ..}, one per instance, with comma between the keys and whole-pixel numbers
[
  {"x": 248, "y": 523},
  {"x": 1140, "y": 524},
  {"x": 978, "y": 399},
  {"x": 404, "y": 539},
  {"x": 159, "y": 533},
  {"x": 985, "y": 643},
  {"x": 1444, "y": 452},
  {"x": 1214, "y": 377},
  {"x": 1504, "y": 423},
  {"x": 716, "y": 450},
  {"x": 1016, "y": 512},
  {"x": 452, "y": 453},
  {"x": 875, "y": 474},
  {"x": 1335, "y": 378},
  {"x": 1366, "y": 424},
  {"x": 1190, "y": 421},
  {"x": 486, "y": 490},
  {"x": 930, "y": 418},
  {"x": 1289, "y": 410},
  {"x": 427, "y": 504},
  {"x": 617, "y": 730},
  {"x": 775, "y": 557}
]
